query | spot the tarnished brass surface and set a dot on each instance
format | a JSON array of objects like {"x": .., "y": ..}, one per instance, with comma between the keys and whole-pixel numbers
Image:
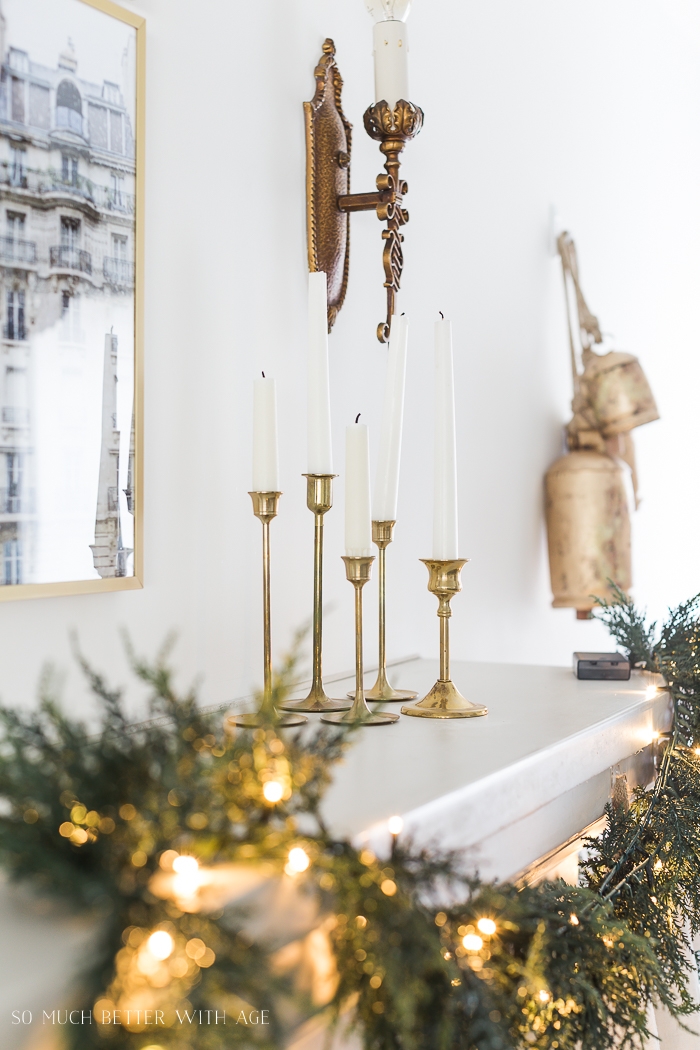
[
  {"x": 358, "y": 571},
  {"x": 328, "y": 198},
  {"x": 319, "y": 500},
  {"x": 265, "y": 506},
  {"x": 588, "y": 528},
  {"x": 382, "y": 690},
  {"x": 444, "y": 700},
  {"x": 328, "y": 147},
  {"x": 617, "y": 391}
]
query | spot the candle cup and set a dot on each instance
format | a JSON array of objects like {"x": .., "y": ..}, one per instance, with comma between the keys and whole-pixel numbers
[
  {"x": 358, "y": 571},
  {"x": 319, "y": 500},
  {"x": 444, "y": 700},
  {"x": 265, "y": 505},
  {"x": 382, "y": 690}
]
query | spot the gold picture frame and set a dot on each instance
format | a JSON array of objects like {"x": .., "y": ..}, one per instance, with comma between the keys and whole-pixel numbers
[{"x": 134, "y": 581}]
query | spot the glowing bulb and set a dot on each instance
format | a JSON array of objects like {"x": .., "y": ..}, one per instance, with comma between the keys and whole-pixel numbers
[
  {"x": 186, "y": 865},
  {"x": 574, "y": 920},
  {"x": 544, "y": 996},
  {"x": 472, "y": 942},
  {"x": 160, "y": 944},
  {"x": 389, "y": 10},
  {"x": 395, "y": 825},
  {"x": 651, "y": 692},
  {"x": 486, "y": 926},
  {"x": 697, "y": 752},
  {"x": 297, "y": 861},
  {"x": 658, "y": 864},
  {"x": 272, "y": 790}
]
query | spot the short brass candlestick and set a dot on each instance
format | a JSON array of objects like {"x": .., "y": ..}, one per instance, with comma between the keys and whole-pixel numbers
[
  {"x": 382, "y": 535},
  {"x": 319, "y": 500},
  {"x": 358, "y": 571},
  {"x": 265, "y": 505},
  {"x": 444, "y": 700}
]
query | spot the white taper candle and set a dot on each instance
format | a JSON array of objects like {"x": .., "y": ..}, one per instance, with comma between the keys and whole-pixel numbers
[
  {"x": 445, "y": 544},
  {"x": 386, "y": 485},
  {"x": 265, "y": 455},
  {"x": 358, "y": 528}
]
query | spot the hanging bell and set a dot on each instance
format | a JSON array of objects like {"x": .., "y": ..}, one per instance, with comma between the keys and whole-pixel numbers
[
  {"x": 588, "y": 529},
  {"x": 616, "y": 392}
]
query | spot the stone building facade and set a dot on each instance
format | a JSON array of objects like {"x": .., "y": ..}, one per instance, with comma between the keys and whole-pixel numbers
[{"x": 67, "y": 207}]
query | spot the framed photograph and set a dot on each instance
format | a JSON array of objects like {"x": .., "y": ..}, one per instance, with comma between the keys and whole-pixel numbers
[{"x": 71, "y": 297}]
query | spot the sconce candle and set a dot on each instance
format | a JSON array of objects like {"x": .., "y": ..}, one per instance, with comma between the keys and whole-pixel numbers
[
  {"x": 386, "y": 486},
  {"x": 445, "y": 507},
  {"x": 390, "y": 50},
  {"x": 265, "y": 458},
  {"x": 358, "y": 530},
  {"x": 320, "y": 456}
]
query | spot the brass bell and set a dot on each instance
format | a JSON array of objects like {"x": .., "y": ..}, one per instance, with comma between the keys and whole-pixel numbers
[
  {"x": 586, "y": 490},
  {"x": 588, "y": 529}
]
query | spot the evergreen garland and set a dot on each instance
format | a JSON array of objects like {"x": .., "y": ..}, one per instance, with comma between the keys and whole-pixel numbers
[{"x": 93, "y": 821}]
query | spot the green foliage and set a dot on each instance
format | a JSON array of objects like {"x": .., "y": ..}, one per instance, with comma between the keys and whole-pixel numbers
[{"x": 96, "y": 820}]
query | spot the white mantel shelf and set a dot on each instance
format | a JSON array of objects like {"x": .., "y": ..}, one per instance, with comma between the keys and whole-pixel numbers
[{"x": 510, "y": 786}]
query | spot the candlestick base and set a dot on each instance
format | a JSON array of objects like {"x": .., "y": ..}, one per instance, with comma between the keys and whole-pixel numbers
[
  {"x": 316, "y": 702},
  {"x": 385, "y": 693},
  {"x": 372, "y": 718},
  {"x": 445, "y": 701},
  {"x": 255, "y": 720}
]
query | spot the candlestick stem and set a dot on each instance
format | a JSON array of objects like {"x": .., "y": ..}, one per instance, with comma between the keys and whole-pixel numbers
[
  {"x": 382, "y": 535},
  {"x": 319, "y": 500},
  {"x": 444, "y": 700},
  {"x": 265, "y": 505},
  {"x": 358, "y": 570}
]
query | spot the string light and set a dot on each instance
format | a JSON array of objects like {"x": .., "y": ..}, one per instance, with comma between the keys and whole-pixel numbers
[
  {"x": 544, "y": 996},
  {"x": 188, "y": 877},
  {"x": 574, "y": 920},
  {"x": 395, "y": 825},
  {"x": 486, "y": 926},
  {"x": 472, "y": 942},
  {"x": 651, "y": 691},
  {"x": 272, "y": 791},
  {"x": 297, "y": 861},
  {"x": 160, "y": 944}
]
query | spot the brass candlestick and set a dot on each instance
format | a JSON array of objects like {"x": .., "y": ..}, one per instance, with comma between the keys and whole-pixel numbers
[
  {"x": 265, "y": 506},
  {"x": 319, "y": 500},
  {"x": 358, "y": 571},
  {"x": 382, "y": 535},
  {"x": 444, "y": 700}
]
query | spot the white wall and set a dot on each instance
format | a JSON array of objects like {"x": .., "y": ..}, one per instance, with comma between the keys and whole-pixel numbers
[{"x": 591, "y": 106}]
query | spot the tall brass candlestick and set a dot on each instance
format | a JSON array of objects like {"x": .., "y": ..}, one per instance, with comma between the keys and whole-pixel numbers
[
  {"x": 444, "y": 700},
  {"x": 358, "y": 571},
  {"x": 265, "y": 505},
  {"x": 319, "y": 500},
  {"x": 382, "y": 535}
]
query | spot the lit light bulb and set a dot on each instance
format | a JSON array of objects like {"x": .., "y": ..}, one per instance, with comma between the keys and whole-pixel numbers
[
  {"x": 574, "y": 920},
  {"x": 544, "y": 996},
  {"x": 389, "y": 10},
  {"x": 472, "y": 942},
  {"x": 186, "y": 865},
  {"x": 297, "y": 861},
  {"x": 395, "y": 825},
  {"x": 272, "y": 791},
  {"x": 651, "y": 692},
  {"x": 160, "y": 944},
  {"x": 486, "y": 926}
]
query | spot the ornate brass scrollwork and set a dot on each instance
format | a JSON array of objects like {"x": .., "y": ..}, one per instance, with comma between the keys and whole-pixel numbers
[{"x": 328, "y": 139}]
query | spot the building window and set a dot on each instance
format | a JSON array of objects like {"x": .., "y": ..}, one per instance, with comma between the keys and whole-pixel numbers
[
  {"x": 15, "y": 476},
  {"x": 71, "y": 332},
  {"x": 19, "y": 60},
  {"x": 18, "y": 170},
  {"x": 69, "y": 107},
  {"x": 117, "y": 190},
  {"x": 120, "y": 247},
  {"x": 69, "y": 169},
  {"x": 14, "y": 327},
  {"x": 116, "y": 137},
  {"x": 111, "y": 93},
  {"x": 18, "y": 92},
  {"x": 12, "y": 552},
  {"x": 70, "y": 233},
  {"x": 39, "y": 107},
  {"x": 15, "y": 225}
]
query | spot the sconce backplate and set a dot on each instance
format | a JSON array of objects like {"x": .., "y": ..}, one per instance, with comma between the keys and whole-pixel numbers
[{"x": 328, "y": 146}]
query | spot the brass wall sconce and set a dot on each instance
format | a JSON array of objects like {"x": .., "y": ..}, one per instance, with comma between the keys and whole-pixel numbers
[{"x": 329, "y": 202}]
